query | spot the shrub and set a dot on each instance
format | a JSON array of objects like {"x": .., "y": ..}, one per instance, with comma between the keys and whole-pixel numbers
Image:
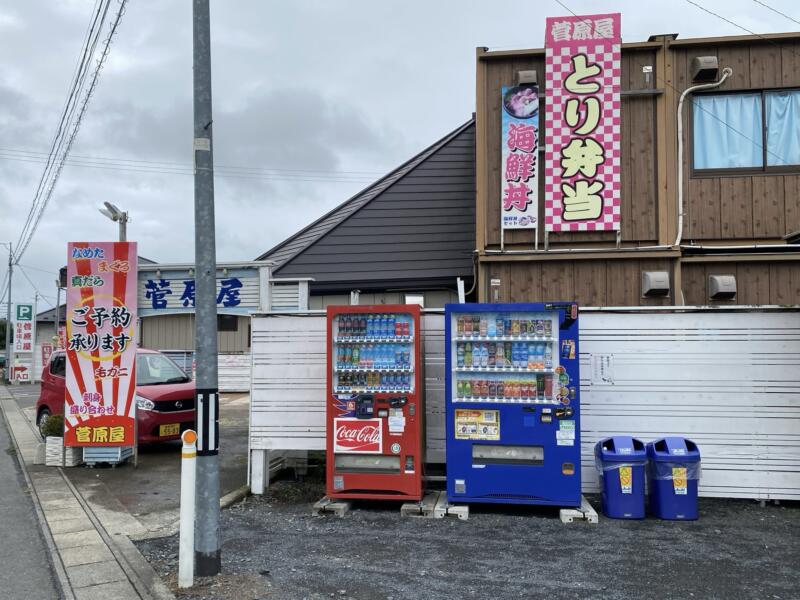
[{"x": 53, "y": 426}]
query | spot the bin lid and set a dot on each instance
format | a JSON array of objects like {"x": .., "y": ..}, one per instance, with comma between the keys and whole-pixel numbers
[
  {"x": 621, "y": 448},
  {"x": 673, "y": 449}
]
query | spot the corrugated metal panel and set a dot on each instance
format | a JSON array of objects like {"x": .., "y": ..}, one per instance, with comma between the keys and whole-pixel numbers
[
  {"x": 728, "y": 380},
  {"x": 284, "y": 296}
]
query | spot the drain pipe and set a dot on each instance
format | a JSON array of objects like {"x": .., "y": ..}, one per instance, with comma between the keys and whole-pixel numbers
[{"x": 726, "y": 72}]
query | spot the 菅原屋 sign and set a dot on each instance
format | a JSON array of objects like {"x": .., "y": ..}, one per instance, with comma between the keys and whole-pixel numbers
[
  {"x": 582, "y": 140},
  {"x": 99, "y": 407}
]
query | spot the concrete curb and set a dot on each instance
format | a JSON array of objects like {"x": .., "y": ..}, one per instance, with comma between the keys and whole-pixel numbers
[
  {"x": 234, "y": 496},
  {"x": 140, "y": 576},
  {"x": 62, "y": 581}
]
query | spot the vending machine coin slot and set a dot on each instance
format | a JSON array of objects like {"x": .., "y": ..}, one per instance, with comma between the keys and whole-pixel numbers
[
  {"x": 547, "y": 415},
  {"x": 564, "y": 413},
  {"x": 365, "y": 407},
  {"x": 398, "y": 402}
]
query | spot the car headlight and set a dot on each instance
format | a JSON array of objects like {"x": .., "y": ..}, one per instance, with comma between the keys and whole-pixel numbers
[{"x": 144, "y": 403}]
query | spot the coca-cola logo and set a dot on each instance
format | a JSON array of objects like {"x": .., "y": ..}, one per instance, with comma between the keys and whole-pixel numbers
[{"x": 358, "y": 435}]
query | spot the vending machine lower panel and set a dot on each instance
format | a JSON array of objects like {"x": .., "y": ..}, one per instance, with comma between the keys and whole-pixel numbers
[
  {"x": 374, "y": 405},
  {"x": 513, "y": 404}
]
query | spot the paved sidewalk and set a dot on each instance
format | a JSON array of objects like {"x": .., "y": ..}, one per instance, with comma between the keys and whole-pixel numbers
[{"x": 90, "y": 562}]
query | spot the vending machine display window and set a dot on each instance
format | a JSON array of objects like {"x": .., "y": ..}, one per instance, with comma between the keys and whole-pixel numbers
[
  {"x": 374, "y": 405},
  {"x": 513, "y": 403}
]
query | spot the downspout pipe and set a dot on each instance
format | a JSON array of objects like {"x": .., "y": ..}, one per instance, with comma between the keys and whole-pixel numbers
[{"x": 726, "y": 72}]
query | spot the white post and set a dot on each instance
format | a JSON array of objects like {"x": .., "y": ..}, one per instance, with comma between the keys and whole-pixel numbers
[{"x": 186, "y": 544}]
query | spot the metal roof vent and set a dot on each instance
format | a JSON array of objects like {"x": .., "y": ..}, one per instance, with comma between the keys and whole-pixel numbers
[
  {"x": 526, "y": 77},
  {"x": 704, "y": 68},
  {"x": 721, "y": 287}
]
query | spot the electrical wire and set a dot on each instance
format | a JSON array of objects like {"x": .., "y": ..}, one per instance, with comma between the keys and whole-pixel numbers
[
  {"x": 694, "y": 104},
  {"x": 727, "y": 20},
  {"x": 33, "y": 285},
  {"x": 74, "y": 124},
  {"x": 188, "y": 170},
  {"x": 775, "y": 10},
  {"x": 115, "y": 160}
]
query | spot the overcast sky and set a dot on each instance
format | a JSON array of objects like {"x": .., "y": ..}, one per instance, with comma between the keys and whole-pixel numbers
[{"x": 315, "y": 98}]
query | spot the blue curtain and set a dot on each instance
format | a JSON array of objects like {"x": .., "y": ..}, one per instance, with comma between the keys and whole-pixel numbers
[
  {"x": 783, "y": 128},
  {"x": 727, "y": 131}
]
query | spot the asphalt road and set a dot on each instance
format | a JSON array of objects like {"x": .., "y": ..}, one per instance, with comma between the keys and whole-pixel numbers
[{"x": 25, "y": 570}]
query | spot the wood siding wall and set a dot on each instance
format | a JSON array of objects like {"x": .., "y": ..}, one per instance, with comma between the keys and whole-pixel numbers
[
  {"x": 176, "y": 332},
  {"x": 756, "y": 282},
  {"x": 740, "y": 208},
  {"x": 589, "y": 282},
  {"x": 639, "y": 202}
]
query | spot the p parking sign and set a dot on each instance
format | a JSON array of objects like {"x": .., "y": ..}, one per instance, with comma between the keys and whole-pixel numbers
[{"x": 24, "y": 329}]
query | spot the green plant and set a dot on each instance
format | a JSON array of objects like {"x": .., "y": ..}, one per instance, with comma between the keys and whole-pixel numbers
[{"x": 53, "y": 426}]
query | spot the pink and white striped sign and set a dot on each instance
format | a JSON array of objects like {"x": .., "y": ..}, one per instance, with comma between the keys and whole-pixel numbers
[
  {"x": 582, "y": 123},
  {"x": 99, "y": 403}
]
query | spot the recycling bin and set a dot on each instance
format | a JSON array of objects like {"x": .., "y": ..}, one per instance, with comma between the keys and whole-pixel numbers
[
  {"x": 673, "y": 473},
  {"x": 621, "y": 461}
]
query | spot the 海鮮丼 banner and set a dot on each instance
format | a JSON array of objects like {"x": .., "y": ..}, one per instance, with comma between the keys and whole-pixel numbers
[
  {"x": 99, "y": 407},
  {"x": 582, "y": 124},
  {"x": 519, "y": 138}
]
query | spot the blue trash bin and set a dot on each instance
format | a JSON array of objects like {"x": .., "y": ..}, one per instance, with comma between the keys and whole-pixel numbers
[
  {"x": 621, "y": 461},
  {"x": 673, "y": 473}
]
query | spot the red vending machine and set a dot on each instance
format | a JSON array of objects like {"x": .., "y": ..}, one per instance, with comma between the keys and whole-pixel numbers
[{"x": 374, "y": 403}]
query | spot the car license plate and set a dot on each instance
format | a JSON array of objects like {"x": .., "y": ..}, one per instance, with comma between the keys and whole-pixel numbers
[{"x": 171, "y": 429}]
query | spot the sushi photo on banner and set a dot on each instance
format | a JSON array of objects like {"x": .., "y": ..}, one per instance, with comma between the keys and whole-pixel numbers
[
  {"x": 101, "y": 321},
  {"x": 519, "y": 139}
]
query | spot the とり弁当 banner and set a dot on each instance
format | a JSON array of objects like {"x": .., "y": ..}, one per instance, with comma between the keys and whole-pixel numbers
[
  {"x": 582, "y": 124},
  {"x": 99, "y": 403}
]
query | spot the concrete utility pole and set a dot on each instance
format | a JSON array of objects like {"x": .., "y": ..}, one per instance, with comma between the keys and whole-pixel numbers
[
  {"x": 206, "y": 544},
  {"x": 8, "y": 314}
]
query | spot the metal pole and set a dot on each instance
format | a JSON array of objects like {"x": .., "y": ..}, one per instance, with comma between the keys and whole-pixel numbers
[
  {"x": 58, "y": 313},
  {"x": 207, "y": 547},
  {"x": 186, "y": 539},
  {"x": 8, "y": 314}
]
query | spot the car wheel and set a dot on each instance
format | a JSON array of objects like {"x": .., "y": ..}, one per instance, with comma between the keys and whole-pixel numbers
[{"x": 40, "y": 420}]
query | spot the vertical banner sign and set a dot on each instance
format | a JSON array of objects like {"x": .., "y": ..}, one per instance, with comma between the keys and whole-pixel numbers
[
  {"x": 99, "y": 405},
  {"x": 582, "y": 140},
  {"x": 519, "y": 139},
  {"x": 23, "y": 329}
]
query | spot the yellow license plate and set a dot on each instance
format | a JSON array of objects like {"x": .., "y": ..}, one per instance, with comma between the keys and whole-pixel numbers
[{"x": 171, "y": 429}]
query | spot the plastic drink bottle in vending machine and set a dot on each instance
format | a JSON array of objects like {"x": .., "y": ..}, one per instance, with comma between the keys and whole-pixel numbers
[
  {"x": 499, "y": 327},
  {"x": 467, "y": 326},
  {"x": 460, "y": 326},
  {"x": 483, "y": 327},
  {"x": 491, "y": 329},
  {"x": 460, "y": 355}
]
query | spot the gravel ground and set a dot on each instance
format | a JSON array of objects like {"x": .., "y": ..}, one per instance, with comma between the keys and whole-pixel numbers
[{"x": 273, "y": 548}]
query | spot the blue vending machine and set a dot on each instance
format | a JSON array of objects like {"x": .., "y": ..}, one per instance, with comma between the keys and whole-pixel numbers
[{"x": 513, "y": 403}]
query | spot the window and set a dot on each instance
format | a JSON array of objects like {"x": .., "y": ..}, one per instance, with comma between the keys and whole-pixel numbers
[
  {"x": 58, "y": 365},
  {"x": 749, "y": 132},
  {"x": 227, "y": 323}
]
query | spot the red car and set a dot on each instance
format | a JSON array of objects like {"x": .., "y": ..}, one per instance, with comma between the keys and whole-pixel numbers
[{"x": 164, "y": 395}]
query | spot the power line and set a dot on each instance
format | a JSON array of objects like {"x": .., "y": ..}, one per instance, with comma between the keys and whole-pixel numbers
[
  {"x": 34, "y": 153},
  {"x": 775, "y": 10},
  {"x": 694, "y": 104},
  {"x": 187, "y": 170},
  {"x": 28, "y": 234},
  {"x": 727, "y": 20},
  {"x": 33, "y": 285},
  {"x": 38, "y": 269}
]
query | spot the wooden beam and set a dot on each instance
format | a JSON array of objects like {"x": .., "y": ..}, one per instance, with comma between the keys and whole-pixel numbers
[
  {"x": 562, "y": 256},
  {"x": 666, "y": 148},
  {"x": 723, "y": 258}
]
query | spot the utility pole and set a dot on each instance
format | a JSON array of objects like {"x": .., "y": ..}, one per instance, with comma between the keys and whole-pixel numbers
[
  {"x": 58, "y": 312},
  {"x": 206, "y": 544},
  {"x": 8, "y": 314}
]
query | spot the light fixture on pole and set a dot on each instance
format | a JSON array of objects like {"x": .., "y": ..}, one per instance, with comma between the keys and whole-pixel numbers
[{"x": 118, "y": 216}]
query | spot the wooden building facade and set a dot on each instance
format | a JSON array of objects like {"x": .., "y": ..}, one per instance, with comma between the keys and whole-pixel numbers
[{"x": 738, "y": 218}]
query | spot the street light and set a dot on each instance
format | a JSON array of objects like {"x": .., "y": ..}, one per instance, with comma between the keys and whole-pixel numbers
[{"x": 118, "y": 216}]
